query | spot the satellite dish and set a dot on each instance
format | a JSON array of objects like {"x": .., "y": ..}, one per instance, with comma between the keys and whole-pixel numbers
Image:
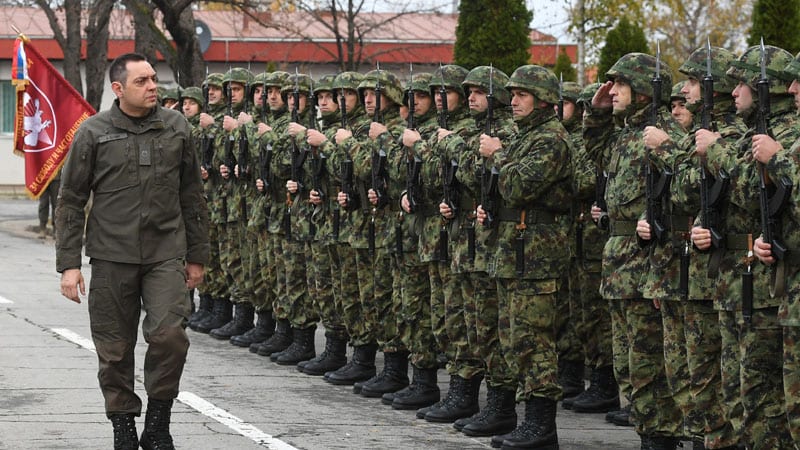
[{"x": 203, "y": 35}]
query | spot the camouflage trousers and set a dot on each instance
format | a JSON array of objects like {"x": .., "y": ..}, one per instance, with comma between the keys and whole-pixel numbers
[
  {"x": 590, "y": 311},
  {"x": 791, "y": 379},
  {"x": 374, "y": 287},
  {"x": 350, "y": 298},
  {"x": 568, "y": 321},
  {"x": 214, "y": 283},
  {"x": 281, "y": 307},
  {"x": 326, "y": 303},
  {"x": 620, "y": 347},
  {"x": 703, "y": 356},
  {"x": 498, "y": 372},
  {"x": 253, "y": 269},
  {"x": 526, "y": 327},
  {"x": 415, "y": 314},
  {"x": 392, "y": 340},
  {"x": 676, "y": 365},
  {"x": 302, "y": 313},
  {"x": 730, "y": 356},
  {"x": 231, "y": 260},
  {"x": 653, "y": 410},
  {"x": 460, "y": 327},
  {"x": 439, "y": 273},
  {"x": 264, "y": 298},
  {"x": 761, "y": 374}
]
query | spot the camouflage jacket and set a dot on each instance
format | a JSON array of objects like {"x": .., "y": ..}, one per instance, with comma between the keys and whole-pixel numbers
[
  {"x": 213, "y": 184},
  {"x": 741, "y": 215},
  {"x": 322, "y": 179},
  {"x": 582, "y": 229},
  {"x": 226, "y": 151},
  {"x": 786, "y": 164},
  {"x": 535, "y": 191}
]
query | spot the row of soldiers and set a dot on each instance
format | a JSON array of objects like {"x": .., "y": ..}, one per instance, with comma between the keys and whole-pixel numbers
[{"x": 452, "y": 217}]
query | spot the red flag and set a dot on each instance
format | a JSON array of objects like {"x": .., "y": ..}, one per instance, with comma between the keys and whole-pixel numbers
[{"x": 49, "y": 111}]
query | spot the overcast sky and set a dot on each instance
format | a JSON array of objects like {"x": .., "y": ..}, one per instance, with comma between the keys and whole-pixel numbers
[{"x": 550, "y": 16}]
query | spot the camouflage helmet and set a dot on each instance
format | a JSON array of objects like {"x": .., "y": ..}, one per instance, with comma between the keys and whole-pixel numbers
[
  {"x": 638, "y": 69},
  {"x": 747, "y": 69},
  {"x": 194, "y": 93},
  {"x": 325, "y": 83},
  {"x": 347, "y": 80},
  {"x": 237, "y": 75},
  {"x": 537, "y": 80},
  {"x": 571, "y": 90},
  {"x": 213, "y": 79},
  {"x": 587, "y": 94},
  {"x": 721, "y": 58},
  {"x": 418, "y": 83},
  {"x": 258, "y": 80},
  {"x": 676, "y": 91},
  {"x": 300, "y": 81},
  {"x": 276, "y": 78},
  {"x": 390, "y": 85},
  {"x": 170, "y": 94},
  {"x": 479, "y": 77},
  {"x": 793, "y": 68},
  {"x": 450, "y": 76},
  {"x": 160, "y": 91}
]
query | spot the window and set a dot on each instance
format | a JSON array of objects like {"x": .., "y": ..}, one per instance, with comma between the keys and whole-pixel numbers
[{"x": 8, "y": 106}]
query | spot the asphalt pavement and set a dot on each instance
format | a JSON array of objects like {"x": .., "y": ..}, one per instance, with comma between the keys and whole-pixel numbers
[{"x": 230, "y": 398}]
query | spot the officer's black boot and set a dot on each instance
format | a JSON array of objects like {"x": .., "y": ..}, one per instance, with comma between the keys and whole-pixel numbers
[
  {"x": 422, "y": 392},
  {"x": 241, "y": 323},
  {"x": 203, "y": 311},
  {"x": 280, "y": 340},
  {"x": 361, "y": 369},
  {"x": 302, "y": 347},
  {"x": 570, "y": 377},
  {"x": 221, "y": 314},
  {"x": 461, "y": 401},
  {"x": 332, "y": 358},
  {"x": 498, "y": 417},
  {"x": 538, "y": 430},
  {"x": 602, "y": 395},
  {"x": 125, "y": 436},
  {"x": 265, "y": 327},
  {"x": 156, "y": 426},
  {"x": 392, "y": 378}
]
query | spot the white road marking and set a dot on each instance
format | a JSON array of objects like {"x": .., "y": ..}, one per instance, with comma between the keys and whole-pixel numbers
[
  {"x": 199, "y": 404},
  {"x": 4, "y": 300}
]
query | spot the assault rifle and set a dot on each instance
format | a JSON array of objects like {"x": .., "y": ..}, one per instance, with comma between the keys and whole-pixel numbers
[
  {"x": 230, "y": 159},
  {"x": 206, "y": 143},
  {"x": 489, "y": 179},
  {"x": 414, "y": 162},
  {"x": 346, "y": 169},
  {"x": 297, "y": 158},
  {"x": 656, "y": 191},
  {"x": 450, "y": 199},
  {"x": 317, "y": 158},
  {"x": 560, "y": 97},
  {"x": 600, "y": 184},
  {"x": 244, "y": 142}
]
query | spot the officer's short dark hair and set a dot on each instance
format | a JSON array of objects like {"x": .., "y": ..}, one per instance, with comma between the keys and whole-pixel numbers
[{"x": 118, "y": 70}]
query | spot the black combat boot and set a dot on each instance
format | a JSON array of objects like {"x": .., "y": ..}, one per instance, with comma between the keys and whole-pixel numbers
[
  {"x": 422, "y": 392},
  {"x": 602, "y": 395},
  {"x": 461, "y": 400},
  {"x": 280, "y": 340},
  {"x": 621, "y": 417},
  {"x": 241, "y": 323},
  {"x": 361, "y": 369},
  {"x": 650, "y": 442},
  {"x": 203, "y": 311},
  {"x": 392, "y": 378},
  {"x": 264, "y": 329},
  {"x": 156, "y": 426},
  {"x": 221, "y": 313},
  {"x": 570, "y": 377},
  {"x": 538, "y": 430},
  {"x": 125, "y": 436},
  {"x": 498, "y": 417},
  {"x": 331, "y": 359},
  {"x": 302, "y": 347}
]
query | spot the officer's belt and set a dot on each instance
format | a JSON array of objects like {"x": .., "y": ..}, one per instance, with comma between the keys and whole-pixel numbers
[
  {"x": 680, "y": 224},
  {"x": 736, "y": 241},
  {"x": 622, "y": 228},
  {"x": 531, "y": 216}
]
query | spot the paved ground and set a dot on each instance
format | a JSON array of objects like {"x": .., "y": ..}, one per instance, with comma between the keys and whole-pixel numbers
[{"x": 230, "y": 399}]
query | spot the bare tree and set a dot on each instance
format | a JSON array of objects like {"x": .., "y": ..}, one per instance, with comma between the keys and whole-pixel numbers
[
  {"x": 185, "y": 58},
  {"x": 68, "y": 38}
]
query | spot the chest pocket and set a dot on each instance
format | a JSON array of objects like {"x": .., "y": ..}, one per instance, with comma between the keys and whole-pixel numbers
[
  {"x": 167, "y": 154},
  {"x": 625, "y": 185},
  {"x": 115, "y": 164}
]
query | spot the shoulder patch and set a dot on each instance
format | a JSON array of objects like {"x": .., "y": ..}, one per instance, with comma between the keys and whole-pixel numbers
[{"x": 111, "y": 137}]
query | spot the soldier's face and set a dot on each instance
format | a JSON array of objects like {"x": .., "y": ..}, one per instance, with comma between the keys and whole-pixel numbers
[
  {"x": 139, "y": 93},
  {"x": 190, "y": 107},
  {"x": 350, "y": 98},
  {"x": 257, "y": 94},
  {"x": 422, "y": 103},
  {"x": 214, "y": 94},
  {"x": 742, "y": 97},
  {"x": 522, "y": 103},
  {"x": 569, "y": 109},
  {"x": 453, "y": 99},
  {"x": 237, "y": 92},
  {"x": 794, "y": 89},
  {"x": 301, "y": 102},
  {"x": 169, "y": 103},
  {"x": 620, "y": 95},
  {"x": 274, "y": 98},
  {"x": 681, "y": 114},
  {"x": 369, "y": 101},
  {"x": 326, "y": 103},
  {"x": 691, "y": 90},
  {"x": 478, "y": 101}
]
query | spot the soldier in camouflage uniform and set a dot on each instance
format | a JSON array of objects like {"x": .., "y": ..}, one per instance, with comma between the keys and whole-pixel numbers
[
  {"x": 708, "y": 418},
  {"x": 752, "y": 337},
  {"x": 677, "y": 106},
  {"x": 588, "y": 309},
  {"x": 475, "y": 245},
  {"x": 274, "y": 204},
  {"x": 415, "y": 317},
  {"x": 531, "y": 222},
  {"x": 236, "y": 254},
  {"x": 626, "y": 98},
  {"x": 780, "y": 163},
  {"x": 215, "y": 293},
  {"x": 191, "y": 104},
  {"x": 169, "y": 98}
]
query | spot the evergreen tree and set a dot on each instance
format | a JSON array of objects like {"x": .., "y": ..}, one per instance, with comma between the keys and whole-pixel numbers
[
  {"x": 564, "y": 67},
  {"x": 623, "y": 39},
  {"x": 493, "y": 31},
  {"x": 776, "y": 21}
]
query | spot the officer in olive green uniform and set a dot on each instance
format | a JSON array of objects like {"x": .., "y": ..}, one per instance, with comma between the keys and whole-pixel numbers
[
  {"x": 147, "y": 237},
  {"x": 627, "y": 99},
  {"x": 531, "y": 220}
]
